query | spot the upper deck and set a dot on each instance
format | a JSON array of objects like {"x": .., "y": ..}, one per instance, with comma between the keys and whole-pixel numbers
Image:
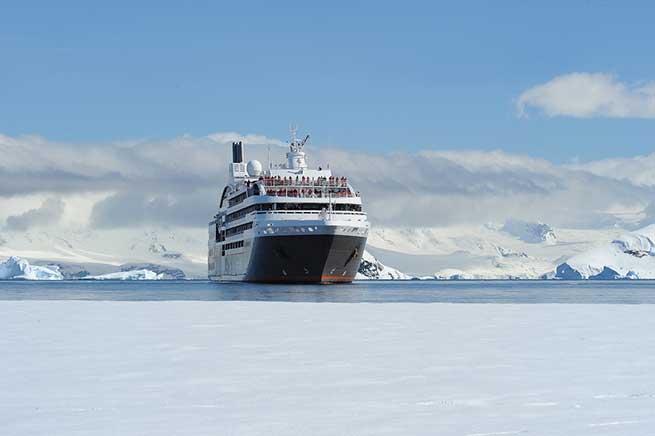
[
  {"x": 307, "y": 187},
  {"x": 291, "y": 186}
]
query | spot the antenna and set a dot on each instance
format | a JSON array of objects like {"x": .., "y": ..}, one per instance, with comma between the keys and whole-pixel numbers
[
  {"x": 269, "y": 156},
  {"x": 293, "y": 129}
]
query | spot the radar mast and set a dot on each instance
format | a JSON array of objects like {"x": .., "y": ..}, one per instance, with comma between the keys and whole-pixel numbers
[{"x": 296, "y": 154}]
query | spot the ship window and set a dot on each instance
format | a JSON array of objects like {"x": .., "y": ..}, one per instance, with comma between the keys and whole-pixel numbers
[
  {"x": 233, "y": 245},
  {"x": 291, "y": 206},
  {"x": 347, "y": 207},
  {"x": 301, "y": 206},
  {"x": 319, "y": 206},
  {"x": 246, "y": 210},
  {"x": 238, "y": 199},
  {"x": 238, "y": 229}
]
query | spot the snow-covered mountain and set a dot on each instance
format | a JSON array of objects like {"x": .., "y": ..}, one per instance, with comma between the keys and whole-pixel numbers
[
  {"x": 371, "y": 268},
  {"x": 16, "y": 268},
  {"x": 533, "y": 233},
  {"x": 631, "y": 256},
  {"x": 129, "y": 254},
  {"x": 513, "y": 250},
  {"x": 177, "y": 254}
]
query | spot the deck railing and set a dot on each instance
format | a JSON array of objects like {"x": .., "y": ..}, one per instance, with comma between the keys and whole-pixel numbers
[
  {"x": 306, "y": 182},
  {"x": 308, "y": 212},
  {"x": 276, "y": 191},
  {"x": 333, "y": 187}
]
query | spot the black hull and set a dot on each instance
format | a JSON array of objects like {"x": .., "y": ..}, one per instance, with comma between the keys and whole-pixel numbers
[{"x": 305, "y": 259}]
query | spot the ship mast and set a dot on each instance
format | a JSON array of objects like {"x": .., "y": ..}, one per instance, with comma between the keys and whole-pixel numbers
[{"x": 296, "y": 154}]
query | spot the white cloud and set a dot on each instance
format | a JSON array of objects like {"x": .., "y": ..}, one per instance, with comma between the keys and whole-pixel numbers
[
  {"x": 638, "y": 170},
  {"x": 473, "y": 187},
  {"x": 229, "y": 137},
  {"x": 176, "y": 182},
  {"x": 587, "y": 95}
]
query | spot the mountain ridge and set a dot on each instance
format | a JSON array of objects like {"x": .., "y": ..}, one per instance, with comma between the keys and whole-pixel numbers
[{"x": 513, "y": 250}]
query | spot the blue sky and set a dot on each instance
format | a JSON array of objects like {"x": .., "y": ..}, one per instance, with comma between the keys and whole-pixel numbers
[{"x": 370, "y": 75}]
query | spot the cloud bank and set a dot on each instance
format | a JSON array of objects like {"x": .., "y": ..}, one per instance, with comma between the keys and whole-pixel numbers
[
  {"x": 177, "y": 182},
  {"x": 50, "y": 212},
  {"x": 638, "y": 170},
  {"x": 587, "y": 95}
]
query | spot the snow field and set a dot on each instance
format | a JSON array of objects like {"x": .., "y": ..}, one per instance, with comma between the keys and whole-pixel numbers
[{"x": 210, "y": 368}]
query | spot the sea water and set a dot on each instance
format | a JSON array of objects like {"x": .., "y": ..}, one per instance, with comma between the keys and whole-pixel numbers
[{"x": 519, "y": 292}]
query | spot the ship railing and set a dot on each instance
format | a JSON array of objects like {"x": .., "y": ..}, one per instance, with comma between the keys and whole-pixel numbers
[
  {"x": 320, "y": 194},
  {"x": 338, "y": 182},
  {"x": 309, "y": 186},
  {"x": 308, "y": 212},
  {"x": 296, "y": 191}
]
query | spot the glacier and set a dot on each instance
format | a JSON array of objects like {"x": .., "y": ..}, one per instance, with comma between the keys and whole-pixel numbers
[
  {"x": 16, "y": 268},
  {"x": 630, "y": 256},
  {"x": 479, "y": 251},
  {"x": 164, "y": 272},
  {"x": 514, "y": 250},
  {"x": 139, "y": 274}
]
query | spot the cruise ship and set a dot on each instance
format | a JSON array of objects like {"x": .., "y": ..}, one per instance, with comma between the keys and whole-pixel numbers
[{"x": 287, "y": 223}]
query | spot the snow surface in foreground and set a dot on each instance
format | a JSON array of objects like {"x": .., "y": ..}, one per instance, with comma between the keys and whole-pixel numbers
[{"x": 247, "y": 368}]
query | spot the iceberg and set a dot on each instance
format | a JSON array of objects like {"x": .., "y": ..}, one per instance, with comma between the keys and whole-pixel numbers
[
  {"x": 167, "y": 272},
  {"x": 139, "y": 274},
  {"x": 16, "y": 268}
]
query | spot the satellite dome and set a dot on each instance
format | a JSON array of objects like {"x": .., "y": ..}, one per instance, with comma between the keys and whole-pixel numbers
[{"x": 254, "y": 168}]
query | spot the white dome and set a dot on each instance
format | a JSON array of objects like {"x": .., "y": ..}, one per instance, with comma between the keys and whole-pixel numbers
[{"x": 254, "y": 168}]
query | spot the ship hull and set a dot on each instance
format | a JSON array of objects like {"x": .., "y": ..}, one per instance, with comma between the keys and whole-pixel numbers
[
  {"x": 320, "y": 259},
  {"x": 306, "y": 259}
]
